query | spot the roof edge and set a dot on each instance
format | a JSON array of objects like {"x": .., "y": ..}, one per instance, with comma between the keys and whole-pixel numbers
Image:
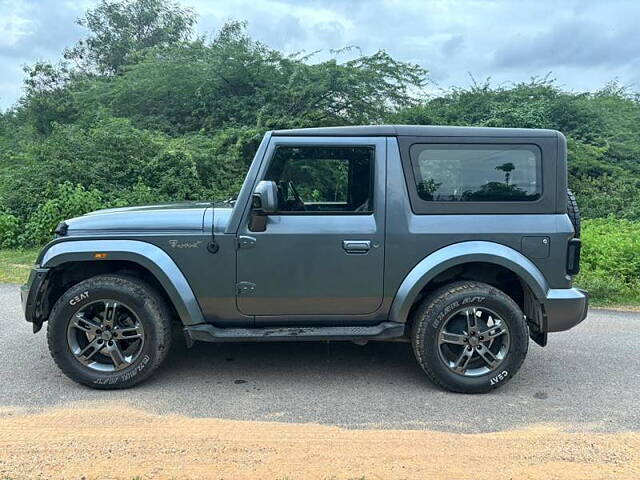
[{"x": 414, "y": 131}]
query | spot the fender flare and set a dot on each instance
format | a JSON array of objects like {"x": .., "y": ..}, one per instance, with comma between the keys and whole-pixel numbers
[
  {"x": 147, "y": 255},
  {"x": 458, "y": 254}
]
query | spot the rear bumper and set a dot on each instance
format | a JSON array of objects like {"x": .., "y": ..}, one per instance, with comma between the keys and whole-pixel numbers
[
  {"x": 30, "y": 296},
  {"x": 564, "y": 308}
]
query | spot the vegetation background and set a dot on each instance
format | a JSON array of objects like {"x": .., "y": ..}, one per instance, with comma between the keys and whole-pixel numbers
[{"x": 143, "y": 111}]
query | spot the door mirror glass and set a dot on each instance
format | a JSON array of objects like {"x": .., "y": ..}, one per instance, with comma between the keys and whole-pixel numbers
[{"x": 265, "y": 197}]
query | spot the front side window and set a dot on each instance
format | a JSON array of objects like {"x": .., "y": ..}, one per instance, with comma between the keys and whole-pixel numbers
[
  {"x": 318, "y": 179},
  {"x": 477, "y": 173}
]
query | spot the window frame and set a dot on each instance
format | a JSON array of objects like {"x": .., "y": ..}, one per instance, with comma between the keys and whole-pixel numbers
[
  {"x": 479, "y": 147},
  {"x": 320, "y": 144},
  {"x": 547, "y": 150}
]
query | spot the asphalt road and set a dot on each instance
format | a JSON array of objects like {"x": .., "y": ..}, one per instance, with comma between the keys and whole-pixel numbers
[{"x": 587, "y": 378}]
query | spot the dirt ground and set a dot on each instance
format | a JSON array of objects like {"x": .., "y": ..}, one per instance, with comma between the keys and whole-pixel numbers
[{"x": 117, "y": 441}]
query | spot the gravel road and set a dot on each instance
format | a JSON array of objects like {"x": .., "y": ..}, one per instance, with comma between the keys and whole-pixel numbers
[{"x": 587, "y": 378}]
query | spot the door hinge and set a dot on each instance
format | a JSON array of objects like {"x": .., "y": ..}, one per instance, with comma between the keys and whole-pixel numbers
[
  {"x": 245, "y": 289},
  {"x": 245, "y": 241}
]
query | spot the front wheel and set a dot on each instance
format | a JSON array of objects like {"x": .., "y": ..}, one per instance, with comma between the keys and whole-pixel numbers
[
  {"x": 469, "y": 337},
  {"x": 109, "y": 332}
]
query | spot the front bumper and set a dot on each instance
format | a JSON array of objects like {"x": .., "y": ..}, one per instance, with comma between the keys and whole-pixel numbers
[
  {"x": 564, "y": 308},
  {"x": 30, "y": 295}
]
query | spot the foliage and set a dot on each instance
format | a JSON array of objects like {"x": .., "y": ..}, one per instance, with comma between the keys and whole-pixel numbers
[
  {"x": 119, "y": 30},
  {"x": 143, "y": 111},
  {"x": 602, "y": 129},
  {"x": 9, "y": 230},
  {"x": 609, "y": 195},
  {"x": 610, "y": 266},
  {"x": 235, "y": 81},
  {"x": 140, "y": 111},
  {"x": 69, "y": 202}
]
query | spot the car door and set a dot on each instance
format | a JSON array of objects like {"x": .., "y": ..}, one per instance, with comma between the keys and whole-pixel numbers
[{"x": 322, "y": 252}]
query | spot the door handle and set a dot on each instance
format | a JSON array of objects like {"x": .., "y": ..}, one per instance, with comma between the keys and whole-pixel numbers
[{"x": 356, "y": 246}]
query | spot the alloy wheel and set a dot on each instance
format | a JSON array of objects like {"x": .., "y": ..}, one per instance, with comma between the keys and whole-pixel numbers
[
  {"x": 105, "y": 336},
  {"x": 473, "y": 341}
]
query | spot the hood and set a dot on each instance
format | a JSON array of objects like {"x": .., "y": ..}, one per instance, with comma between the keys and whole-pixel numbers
[{"x": 168, "y": 217}]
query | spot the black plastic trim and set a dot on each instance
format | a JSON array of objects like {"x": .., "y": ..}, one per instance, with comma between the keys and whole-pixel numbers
[
  {"x": 62, "y": 229},
  {"x": 31, "y": 293},
  {"x": 573, "y": 256},
  {"x": 211, "y": 333}
]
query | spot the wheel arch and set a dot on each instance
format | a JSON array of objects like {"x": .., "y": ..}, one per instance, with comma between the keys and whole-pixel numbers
[
  {"x": 460, "y": 254},
  {"x": 148, "y": 257}
]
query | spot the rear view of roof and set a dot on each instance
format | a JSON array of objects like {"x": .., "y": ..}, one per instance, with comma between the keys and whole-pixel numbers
[{"x": 413, "y": 131}]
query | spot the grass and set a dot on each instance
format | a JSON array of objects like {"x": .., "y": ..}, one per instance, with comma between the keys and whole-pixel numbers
[
  {"x": 610, "y": 265},
  {"x": 624, "y": 300},
  {"x": 15, "y": 265}
]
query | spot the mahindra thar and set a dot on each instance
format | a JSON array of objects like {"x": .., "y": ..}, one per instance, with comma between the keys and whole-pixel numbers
[{"x": 463, "y": 241}]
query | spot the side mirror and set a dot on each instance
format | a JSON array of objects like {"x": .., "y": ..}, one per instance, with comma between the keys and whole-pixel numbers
[{"x": 265, "y": 197}]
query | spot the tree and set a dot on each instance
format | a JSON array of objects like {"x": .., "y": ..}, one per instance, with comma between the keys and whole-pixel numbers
[
  {"x": 507, "y": 168},
  {"x": 144, "y": 111},
  {"x": 236, "y": 81},
  {"x": 120, "y": 29}
]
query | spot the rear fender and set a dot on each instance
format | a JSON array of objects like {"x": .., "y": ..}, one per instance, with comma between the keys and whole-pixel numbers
[
  {"x": 147, "y": 255},
  {"x": 458, "y": 254}
]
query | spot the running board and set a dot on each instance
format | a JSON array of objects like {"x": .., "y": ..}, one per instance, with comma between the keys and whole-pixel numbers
[{"x": 206, "y": 332}]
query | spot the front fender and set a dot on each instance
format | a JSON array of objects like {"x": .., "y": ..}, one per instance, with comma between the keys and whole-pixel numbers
[
  {"x": 147, "y": 255},
  {"x": 457, "y": 254}
]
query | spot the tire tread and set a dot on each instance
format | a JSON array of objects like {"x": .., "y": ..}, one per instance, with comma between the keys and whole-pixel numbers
[
  {"x": 574, "y": 212},
  {"x": 424, "y": 314},
  {"x": 135, "y": 287}
]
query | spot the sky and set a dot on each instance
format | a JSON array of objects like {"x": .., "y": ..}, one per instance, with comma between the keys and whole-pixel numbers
[{"x": 583, "y": 44}]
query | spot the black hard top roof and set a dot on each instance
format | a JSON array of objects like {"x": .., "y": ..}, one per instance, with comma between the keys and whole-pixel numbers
[{"x": 414, "y": 131}]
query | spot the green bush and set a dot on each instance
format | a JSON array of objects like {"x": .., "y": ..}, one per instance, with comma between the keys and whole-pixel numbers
[
  {"x": 70, "y": 201},
  {"x": 610, "y": 265},
  {"x": 163, "y": 115},
  {"x": 9, "y": 230},
  {"x": 608, "y": 195},
  {"x": 139, "y": 194}
]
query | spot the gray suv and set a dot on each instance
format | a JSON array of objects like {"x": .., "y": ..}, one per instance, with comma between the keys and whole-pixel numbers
[{"x": 462, "y": 241}]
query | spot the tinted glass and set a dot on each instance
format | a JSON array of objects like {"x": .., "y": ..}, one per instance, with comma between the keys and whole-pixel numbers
[
  {"x": 477, "y": 173},
  {"x": 323, "y": 179}
]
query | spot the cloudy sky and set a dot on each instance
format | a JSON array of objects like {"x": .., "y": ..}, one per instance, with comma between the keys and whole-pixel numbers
[{"x": 584, "y": 43}]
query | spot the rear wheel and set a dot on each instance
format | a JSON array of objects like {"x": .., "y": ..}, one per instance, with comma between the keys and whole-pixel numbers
[
  {"x": 469, "y": 337},
  {"x": 109, "y": 332}
]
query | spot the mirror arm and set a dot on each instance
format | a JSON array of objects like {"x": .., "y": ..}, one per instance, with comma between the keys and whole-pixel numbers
[{"x": 258, "y": 221}]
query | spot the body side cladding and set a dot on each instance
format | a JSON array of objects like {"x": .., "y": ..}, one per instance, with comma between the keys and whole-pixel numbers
[
  {"x": 211, "y": 333},
  {"x": 147, "y": 255},
  {"x": 458, "y": 254}
]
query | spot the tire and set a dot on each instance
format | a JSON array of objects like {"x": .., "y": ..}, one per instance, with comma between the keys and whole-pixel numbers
[
  {"x": 574, "y": 213},
  {"x": 448, "y": 307},
  {"x": 140, "y": 330}
]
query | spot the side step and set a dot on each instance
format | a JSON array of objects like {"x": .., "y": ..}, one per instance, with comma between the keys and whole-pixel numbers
[{"x": 206, "y": 332}]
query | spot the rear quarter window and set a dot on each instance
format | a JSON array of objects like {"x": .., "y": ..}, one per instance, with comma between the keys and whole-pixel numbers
[{"x": 477, "y": 173}]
